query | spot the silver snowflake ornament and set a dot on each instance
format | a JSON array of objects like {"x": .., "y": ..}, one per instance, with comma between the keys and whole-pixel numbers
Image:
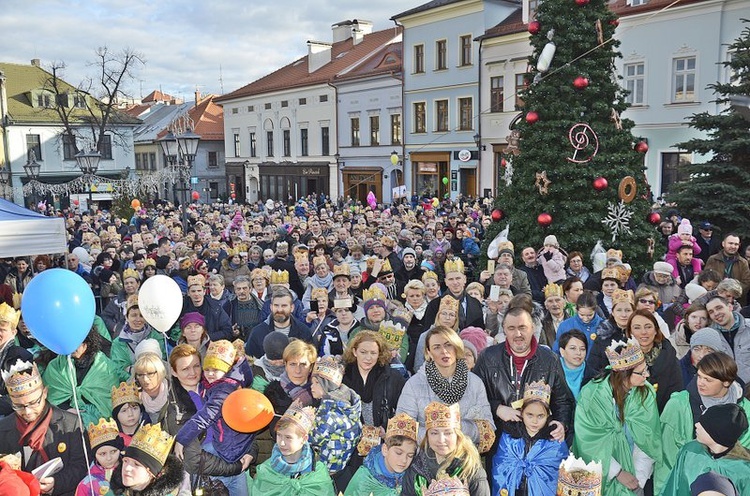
[{"x": 618, "y": 219}]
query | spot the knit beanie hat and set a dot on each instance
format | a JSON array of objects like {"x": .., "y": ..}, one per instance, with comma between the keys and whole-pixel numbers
[
  {"x": 708, "y": 336},
  {"x": 105, "y": 275},
  {"x": 274, "y": 344},
  {"x": 192, "y": 318},
  {"x": 162, "y": 262},
  {"x": 375, "y": 301},
  {"x": 712, "y": 481},
  {"x": 724, "y": 423},
  {"x": 148, "y": 345},
  {"x": 220, "y": 355},
  {"x": 685, "y": 227},
  {"x": 476, "y": 336},
  {"x": 663, "y": 268},
  {"x": 551, "y": 239}
]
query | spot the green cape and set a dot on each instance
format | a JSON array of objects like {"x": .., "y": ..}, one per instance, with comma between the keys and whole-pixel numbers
[
  {"x": 694, "y": 460},
  {"x": 269, "y": 482},
  {"x": 363, "y": 483}
]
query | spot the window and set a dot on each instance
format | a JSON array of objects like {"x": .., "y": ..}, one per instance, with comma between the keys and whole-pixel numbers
[
  {"x": 441, "y": 60},
  {"x": 465, "y": 50},
  {"x": 284, "y": 103},
  {"x": 374, "y": 130},
  {"x": 267, "y": 106},
  {"x": 396, "y": 129},
  {"x": 251, "y": 108},
  {"x": 497, "y": 94},
  {"x": 105, "y": 148},
  {"x": 684, "y": 80},
  {"x": 235, "y": 110},
  {"x": 466, "y": 114},
  {"x": 673, "y": 167},
  {"x": 138, "y": 161},
  {"x": 303, "y": 101},
  {"x": 325, "y": 141},
  {"x": 419, "y": 117},
  {"x": 323, "y": 98},
  {"x": 213, "y": 159},
  {"x": 634, "y": 3},
  {"x": 287, "y": 138},
  {"x": 43, "y": 100},
  {"x": 520, "y": 86},
  {"x": 635, "y": 77},
  {"x": 213, "y": 189},
  {"x": 418, "y": 59},
  {"x": 303, "y": 142},
  {"x": 441, "y": 114},
  {"x": 69, "y": 147},
  {"x": 355, "y": 130},
  {"x": 269, "y": 143},
  {"x": 79, "y": 101},
  {"x": 34, "y": 144},
  {"x": 145, "y": 160},
  {"x": 152, "y": 160},
  {"x": 253, "y": 146},
  {"x": 236, "y": 144}
]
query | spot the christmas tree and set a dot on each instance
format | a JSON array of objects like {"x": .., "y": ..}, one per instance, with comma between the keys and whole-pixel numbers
[
  {"x": 579, "y": 172},
  {"x": 718, "y": 190}
]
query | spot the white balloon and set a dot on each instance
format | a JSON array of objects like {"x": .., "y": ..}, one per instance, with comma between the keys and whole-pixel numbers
[{"x": 160, "y": 302}]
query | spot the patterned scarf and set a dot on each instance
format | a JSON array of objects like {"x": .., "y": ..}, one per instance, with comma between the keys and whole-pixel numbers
[
  {"x": 449, "y": 391},
  {"x": 296, "y": 392},
  {"x": 375, "y": 464},
  {"x": 302, "y": 466},
  {"x": 652, "y": 354}
]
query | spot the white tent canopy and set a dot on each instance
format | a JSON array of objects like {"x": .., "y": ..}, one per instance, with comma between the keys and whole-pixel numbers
[{"x": 23, "y": 232}]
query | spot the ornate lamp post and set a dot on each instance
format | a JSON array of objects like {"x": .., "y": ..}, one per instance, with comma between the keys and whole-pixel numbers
[
  {"x": 32, "y": 168},
  {"x": 180, "y": 152},
  {"x": 88, "y": 162}
]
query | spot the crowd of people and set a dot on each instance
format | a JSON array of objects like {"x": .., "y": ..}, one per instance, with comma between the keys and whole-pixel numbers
[{"x": 394, "y": 362}]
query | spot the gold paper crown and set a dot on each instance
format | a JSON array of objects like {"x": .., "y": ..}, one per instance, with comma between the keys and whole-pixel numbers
[
  {"x": 577, "y": 478},
  {"x": 106, "y": 430},
  {"x": 8, "y": 314},
  {"x": 126, "y": 392},
  {"x": 439, "y": 415},
  {"x": 628, "y": 358},
  {"x": 131, "y": 273},
  {"x": 402, "y": 315},
  {"x": 373, "y": 294},
  {"x": 303, "y": 416},
  {"x": 393, "y": 333},
  {"x": 537, "y": 391},
  {"x": 256, "y": 273},
  {"x": 300, "y": 255},
  {"x": 447, "y": 486},
  {"x": 385, "y": 268},
  {"x": 455, "y": 265},
  {"x": 153, "y": 441},
  {"x": 612, "y": 253},
  {"x": 220, "y": 356},
  {"x": 342, "y": 270},
  {"x": 279, "y": 277},
  {"x": 402, "y": 425},
  {"x": 505, "y": 245},
  {"x": 429, "y": 275},
  {"x": 623, "y": 272},
  {"x": 319, "y": 260},
  {"x": 623, "y": 296},
  {"x": 329, "y": 368},
  {"x": 132, "y": 302},
  {"x": 196, "y": 280},
  {"x": 22, "y": 379},
  {"x": 486, "y": 435},
  {"x": 151, "y": 262},
  {"x": 370, "y": 438},
  {"x": 318, "y": 293},
  {"x": 552, "y": 289},
  {"x": 610, "y": 273},
  {"x": 449, "y": 303}
]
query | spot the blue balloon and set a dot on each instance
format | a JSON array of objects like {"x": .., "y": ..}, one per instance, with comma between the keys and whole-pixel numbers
[{"x": 58, "y": 307}]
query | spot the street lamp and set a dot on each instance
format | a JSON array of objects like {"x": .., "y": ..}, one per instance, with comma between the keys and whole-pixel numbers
[
  {"x": 4, "y": 178},
  {"x": 88, "y": 162},
  {"x": 32, "y": 168},
  {"x": 180, "y": 152}
]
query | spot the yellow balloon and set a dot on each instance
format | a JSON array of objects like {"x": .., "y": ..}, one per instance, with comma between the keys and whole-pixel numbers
[{"x": 435, "y": 202}]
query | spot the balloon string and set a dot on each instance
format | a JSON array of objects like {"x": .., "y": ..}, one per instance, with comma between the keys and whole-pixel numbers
[{"x": 80, "y": 423}]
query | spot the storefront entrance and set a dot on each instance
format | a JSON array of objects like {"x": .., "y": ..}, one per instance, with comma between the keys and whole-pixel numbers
[
  {"x": 359, "y": 182},
  {"x": 429, "y": 171}
]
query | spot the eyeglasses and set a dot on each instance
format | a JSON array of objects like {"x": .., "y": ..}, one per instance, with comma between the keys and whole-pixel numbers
[
  {"x": 643, "y": 373},
  {"x": 20, "y": 408},
  {"x": 146, "y": 374},
  {"x": 644, "y": 301}
]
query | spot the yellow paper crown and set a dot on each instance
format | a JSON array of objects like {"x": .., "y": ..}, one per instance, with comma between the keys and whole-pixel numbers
[
  {"x": 132, "y": 302},
  {"x": 447, "y": 486},
  {"x": 316, "y": 293},
  {"x": 402, "y": 425},
  {"x": 610, "y": 273},
  {"x": 552, "y": 289},
  {"x": 106, "y": 430},
  {"x": 259, "y": 273},
  {"x": 505, "y": 245},
  {"x": 373, "y": 294},
  {"x": 196, "y": 280},
  {"x": 322, "y": 260},
  {"x": 153, "y": 441},
  {"x": 8, "y": 314},
  {"x": 220, "y": 356},
  {"x": 131, "y": 273},
  {"x": 577, "y": 478},
  {"x": 385, "y": 268},
  {"x": 22, "y": 379},
  {"x": 612, "y": 253},
  {"x": 429, "y": 275},
  {"x": 369, "y": 439},
  {"x": 623, "y": 296},
  {"x": 439, "y": 415},
  {"x": 623, "y": 272},
  {"x": 537, "y": 391},
  {"x": 455, "y": 265},
  {"x": 300, "y": 255},
  {"x": 402, "y": 315},
  {"x": 126, "y": 392},
  {"x": 449, "y": 303},
  {"x": 342, "y": 270},
  {"x": 628, "y": 358},
  {"x": 393, "y": 333},
  {"x": 151, "y": 262},
  {"x": 279, "y": 277},
  {"x": 329, "y": 368}
]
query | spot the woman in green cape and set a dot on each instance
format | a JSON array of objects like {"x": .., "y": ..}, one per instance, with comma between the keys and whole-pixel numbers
[{"x": 617, "y": 422}]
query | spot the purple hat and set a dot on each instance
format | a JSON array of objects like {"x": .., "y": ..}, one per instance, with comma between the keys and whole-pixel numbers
[{"x": 192, "y": 318}]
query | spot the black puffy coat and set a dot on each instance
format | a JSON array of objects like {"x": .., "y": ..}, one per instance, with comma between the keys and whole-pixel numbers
[{"x": 385, "y": 394}]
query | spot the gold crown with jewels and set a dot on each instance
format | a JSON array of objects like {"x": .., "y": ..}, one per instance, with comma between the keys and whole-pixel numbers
[
  {"x": 628, "y": 358},
  {"x": 429, "y": 275},
  {"x": 22, "y": 379},
  {"x": 131, "y": 273},
  {"x": 537, "y": 391},
  {"x": 303, "y": 416},
  {"x": 553, "y": 289},
  {"x": 449, "y": 303},
  {"x": 126, "y": 392},
  {"x": 577, "y": 478},
  {"x": 322, "y": 260},
  {"x": 623, "y": 296},
  {"x": 448, "y": 486},
  {"x": 402, "y": 424},
  {"x": 153, "y": 441},
  {"x": 393, "y": 333},
  {"x": 439, "y": 415},
  {"x": 342, "y": 270},
  {"x": 279, "y": 277},
  {"x": 106, "y": 430},
  {"x": 455, "y": 265},
  {"x": 329, "y": 368}
]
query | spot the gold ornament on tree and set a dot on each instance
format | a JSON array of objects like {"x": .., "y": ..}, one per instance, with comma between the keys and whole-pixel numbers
[{"x": 542, "y": 182}]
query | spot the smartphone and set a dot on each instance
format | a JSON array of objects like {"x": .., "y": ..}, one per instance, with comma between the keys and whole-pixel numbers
[
  {"x": 491, "y": 266},
  {"x": 494, "y": 292},
  {"x": 314, "y": 306}
]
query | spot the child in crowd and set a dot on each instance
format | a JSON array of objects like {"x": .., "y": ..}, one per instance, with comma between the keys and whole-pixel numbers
[
  {"x": 127, "y": 410},
  {"x": 585, "y": 320},
  {"x": 527, "y": 460},
  {"x": 383, "y": 469},
  {"x": 106, "y": 446},
  {"x": 292, "y": 469},
  {"x": 684, "y": 236}
]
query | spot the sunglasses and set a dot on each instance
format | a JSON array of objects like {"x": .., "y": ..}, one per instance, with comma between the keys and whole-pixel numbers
[{"x": 644, "y": 301}]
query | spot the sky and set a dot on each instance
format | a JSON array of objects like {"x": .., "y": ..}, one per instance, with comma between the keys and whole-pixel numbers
[{"x": 186, "y": 44}]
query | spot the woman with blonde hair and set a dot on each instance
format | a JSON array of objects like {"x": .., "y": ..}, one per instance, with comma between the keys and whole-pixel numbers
[
  {"x": 415, "y": 294},
  {"x": 446, "y": 452},
  {"x": 151, "y": 376},
  {"x": 431, "y": 284},
  {"x": 445, "y": 377}
]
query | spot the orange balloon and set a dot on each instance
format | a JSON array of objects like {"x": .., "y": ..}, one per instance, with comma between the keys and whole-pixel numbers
[
  {"x": 247, "y": 410},
  {"x": 135, "y": 204}
]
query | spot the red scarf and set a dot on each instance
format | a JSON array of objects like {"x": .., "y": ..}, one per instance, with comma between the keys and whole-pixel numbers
[
  {"x": 520, "y": 361},
  {"x": 32, "y": 435}
]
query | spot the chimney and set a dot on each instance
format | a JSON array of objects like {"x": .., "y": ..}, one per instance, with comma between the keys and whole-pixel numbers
[
  {"x": 197, "y": 96},
  {"x": 36, "y": 62},
  {"x": 318, "y": 55},
  {"x": 341, "y": 31}
]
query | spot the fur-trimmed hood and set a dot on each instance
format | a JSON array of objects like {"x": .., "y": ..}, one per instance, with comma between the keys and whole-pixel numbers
[{"x": 167, "y": 482}]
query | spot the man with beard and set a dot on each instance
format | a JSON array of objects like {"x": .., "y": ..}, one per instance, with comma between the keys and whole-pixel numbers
[
  {"x": 281, "y": 320},
  {"x": 218, "y": 325},
  {"x": 729, "y": 263},
  {"x": 734, "y": 329},
  {"x": 245, "y": 308},
  {"x": 411, "y": 271}
]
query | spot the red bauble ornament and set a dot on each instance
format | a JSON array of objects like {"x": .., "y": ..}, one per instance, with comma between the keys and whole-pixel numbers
[
  {"x": 581, "y": 3},
  {"x": 615, "y": 22},
  {"x": 654, "y": 218},
  {"x": 497, "y": 215},
  {"x": 580, "y": 82},
  {"x": 544, "y": 219},
  {"x": 600, "y": 183},
  {"x": 641, "y": 147},
  {"x": 532, "y": 117},
  {"x": 233, "y": 195},
  {"x": 535, "y": 27},
  {"x": 196, "y": 195},
  {"x": 503, "y": 162}
]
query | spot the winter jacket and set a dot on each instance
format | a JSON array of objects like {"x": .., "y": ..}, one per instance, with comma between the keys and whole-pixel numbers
[
  {"x": 254, "y": 345},
  {"x": 386, "y": 391},
  {"x": 218, "y": 325},
  {"x": 167, "y": 483},
  {"x": 122, "y": 353},
  {"x": 666, "y": 376},
  {"x": 668, "y": 293},
  {"x": 605, "y": 334},
  {"x": 575, "y": 322},
  {"x": 230, "y": 273},
  {"x": 741, "y": 348},
  {"x": 553, "y": 263},
  {"x": 336, "y": 431},
  {"x": 736, "y": 268},
  {"x": 537, "y": 281}
]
